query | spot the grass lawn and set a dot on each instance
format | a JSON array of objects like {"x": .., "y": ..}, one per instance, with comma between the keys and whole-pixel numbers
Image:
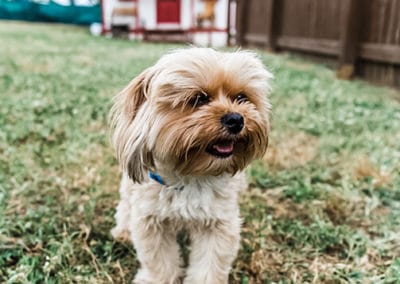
[{"x": 323, "y": 206}]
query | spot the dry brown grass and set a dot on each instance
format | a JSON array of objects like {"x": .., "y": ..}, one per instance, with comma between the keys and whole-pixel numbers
[
  {"x": 291, "y": 150},
  {"x": 364, "y": 168}
]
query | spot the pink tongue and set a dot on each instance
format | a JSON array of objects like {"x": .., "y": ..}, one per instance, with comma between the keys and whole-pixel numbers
[{"x": 225, "y": 149}]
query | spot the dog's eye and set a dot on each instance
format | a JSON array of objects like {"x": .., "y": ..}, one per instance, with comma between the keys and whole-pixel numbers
[
  {"x": 199, "y": 100},
  {"x": 241, "y": 98}
]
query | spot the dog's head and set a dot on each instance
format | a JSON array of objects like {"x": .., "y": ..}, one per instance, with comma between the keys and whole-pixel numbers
[{"x": 197, "y": 111}]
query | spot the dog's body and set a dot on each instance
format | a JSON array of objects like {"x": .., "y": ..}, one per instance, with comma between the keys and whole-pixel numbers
[
  {"x": 204, "y": 209},
  {"x": 196, "y": 119}
]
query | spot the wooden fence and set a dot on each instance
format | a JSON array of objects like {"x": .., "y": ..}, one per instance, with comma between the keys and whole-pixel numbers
[{"x": 362, "y": 37}]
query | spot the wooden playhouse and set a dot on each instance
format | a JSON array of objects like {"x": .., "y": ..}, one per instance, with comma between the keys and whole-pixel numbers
[{"x": 200, "y": 22}]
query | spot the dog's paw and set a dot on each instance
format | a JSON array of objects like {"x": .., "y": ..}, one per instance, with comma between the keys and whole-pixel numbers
[
  {"x": 121, "y": 235},
  {"x": 145, "y": 277}
]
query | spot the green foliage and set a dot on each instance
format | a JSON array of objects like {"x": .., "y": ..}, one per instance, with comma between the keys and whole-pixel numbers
[{"x": 301, "y": 191}]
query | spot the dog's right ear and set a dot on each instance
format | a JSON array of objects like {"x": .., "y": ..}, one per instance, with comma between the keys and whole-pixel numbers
[
  {"x": 134, "y": 95},
  {"x": 127, "y": 129}
]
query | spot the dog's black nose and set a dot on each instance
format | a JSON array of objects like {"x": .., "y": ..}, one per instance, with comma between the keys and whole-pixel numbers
[{"x": 233, "y": 122}]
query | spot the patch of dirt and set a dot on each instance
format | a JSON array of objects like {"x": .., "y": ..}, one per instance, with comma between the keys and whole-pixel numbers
[
  {"x": 28, "y": 65},
  {"x": 365, "y": 169},
  {"x": 341, "y": 210},
  {"x": 264, "y": 259},
  {"x": 292, "y": 150}
]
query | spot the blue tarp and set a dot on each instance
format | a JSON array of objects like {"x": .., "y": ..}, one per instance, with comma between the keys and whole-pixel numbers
[{"x": 79, "y": 12}]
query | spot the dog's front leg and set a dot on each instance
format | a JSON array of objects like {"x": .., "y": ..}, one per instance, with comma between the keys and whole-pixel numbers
[
  {"x": 157, "y": 252},
  {"x": 123, "y": 215},
  {"x": 121, "y": 232},
  {"x": 213, "y": 250}
]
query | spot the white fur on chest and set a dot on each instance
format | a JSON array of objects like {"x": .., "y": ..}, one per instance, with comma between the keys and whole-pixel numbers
[{"x": 204, "y": 200}]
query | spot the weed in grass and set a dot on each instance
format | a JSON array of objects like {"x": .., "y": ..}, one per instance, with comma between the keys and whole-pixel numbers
[{"x": 301, "y": 191}]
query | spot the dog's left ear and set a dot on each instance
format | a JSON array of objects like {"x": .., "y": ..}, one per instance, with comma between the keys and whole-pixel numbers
[{"x": 128, "y": 137}]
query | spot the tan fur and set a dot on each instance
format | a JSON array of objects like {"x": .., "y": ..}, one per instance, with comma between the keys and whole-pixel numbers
[{"x": 155, "y": 127}]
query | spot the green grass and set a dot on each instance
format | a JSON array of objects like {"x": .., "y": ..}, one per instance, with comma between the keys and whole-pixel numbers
[{"x": 323, "y": 206}]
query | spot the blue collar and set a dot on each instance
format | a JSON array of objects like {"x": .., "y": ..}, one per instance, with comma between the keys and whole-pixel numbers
[{"x": 157, "y": 178}]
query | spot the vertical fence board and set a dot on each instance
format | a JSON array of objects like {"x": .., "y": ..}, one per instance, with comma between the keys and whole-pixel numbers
[
  {"x": 272, "y": 12},
  {"x": 382, "y": 29},
  {"x": 241, "y": 20},
  {"x": 349, "y": 38}
]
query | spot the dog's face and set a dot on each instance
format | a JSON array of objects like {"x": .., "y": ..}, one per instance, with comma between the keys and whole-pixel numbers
[{"x": 196, "y": 111}]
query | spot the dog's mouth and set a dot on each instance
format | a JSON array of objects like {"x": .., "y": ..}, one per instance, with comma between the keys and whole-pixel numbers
[{"x": 221, "y": 148}]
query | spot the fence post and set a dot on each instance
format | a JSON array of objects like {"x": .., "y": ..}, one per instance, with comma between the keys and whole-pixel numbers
[
  {"x": 241, "y": 14},
  {"x": 349, "y": 38},
  {"x": 272, "y": 25}
]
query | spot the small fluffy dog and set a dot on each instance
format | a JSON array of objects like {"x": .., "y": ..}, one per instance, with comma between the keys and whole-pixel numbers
[{"x": 183, "y": 131}]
